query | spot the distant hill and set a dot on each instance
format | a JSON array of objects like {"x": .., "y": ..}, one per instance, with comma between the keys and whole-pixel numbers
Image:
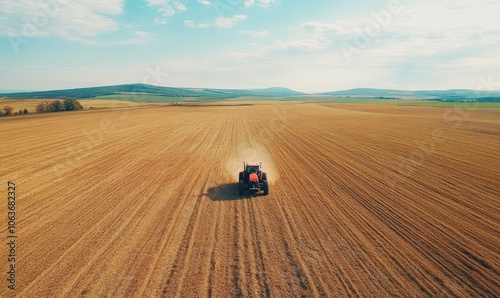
[
  {"x": 128, "y": 91},
  {"x": 369, "y": 92},
  {"x": 278, "y": 91},
  {"x": 201, "y": 93},
  {"x": 445, "y": 95}
]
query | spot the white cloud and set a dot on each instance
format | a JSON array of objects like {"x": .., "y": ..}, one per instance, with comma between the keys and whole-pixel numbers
[
  {"x": 156, "y": 2},
  {"x": 119, "y": 42},
  {"x": 160, "y": 21},
  {"x": 180, "y": 6},
  {"x": 267, "y": 3},
  {"x": 249, "y": 3},
  {"x": 261, "y": 34},
  {"x": 310, "y": 36},
  {"x": 479, "y": 14},
  {"x": 140, "y": 37},
  {"x": 166, "y": 11},
  {"x": 223, "y": 22},
  {"x": 262, "y": 3},
  {"x": 70, "y": 20},
  {"x": 300, "y": 44},
  {"x": 166, "y": 8},
  {"x": 341, "y": 27},
  {"x": 220, "y": 22},
  {"x": 205, "y": 2},
  {"x": 441, "y": 46},
  {"x": 143, "y": 34},
  {"x": 428, "y": 29},
  {"x": 433, "y": 44},
  {"x": 193, "y": 24}
]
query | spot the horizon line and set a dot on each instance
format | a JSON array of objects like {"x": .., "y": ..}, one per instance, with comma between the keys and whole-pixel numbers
[{"x": 12, "y": 91}]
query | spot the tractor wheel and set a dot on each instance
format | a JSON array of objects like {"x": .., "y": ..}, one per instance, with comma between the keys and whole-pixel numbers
[
  {"x": 264, "y": 176},
  {"x": 241, "y": 187},
  {"x": 240, "y": 176},
  {"x": 265, "y": 188}
]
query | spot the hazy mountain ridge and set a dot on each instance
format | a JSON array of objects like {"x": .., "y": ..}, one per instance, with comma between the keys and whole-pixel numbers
[
  {"x": 214, "y": 93},
  {"x": 201, "y": 93},
  {"x": 452, "y": 94}
]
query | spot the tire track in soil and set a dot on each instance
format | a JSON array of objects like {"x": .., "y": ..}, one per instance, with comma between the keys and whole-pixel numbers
[
  {"x": 163, "y": 245},
  {"x": 99, "y": 253},
  {"x": 76, "y": 245},
  {"x": 175, "y": 274},
  {"x": 211, "y": 273},
  {"x": 260, "y": 267}
]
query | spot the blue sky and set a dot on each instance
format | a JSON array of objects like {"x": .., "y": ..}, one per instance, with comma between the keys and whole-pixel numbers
[{"x": 307, "y": 46}]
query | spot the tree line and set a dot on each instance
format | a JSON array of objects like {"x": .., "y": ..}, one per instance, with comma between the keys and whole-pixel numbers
[
  {"x": 58, "y": 106},
  {"x": 472, "y": 99},
  {"x": 46, "y": 107}
]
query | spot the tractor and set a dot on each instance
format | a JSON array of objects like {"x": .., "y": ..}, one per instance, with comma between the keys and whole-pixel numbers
[{"x": 253, "y": 179}]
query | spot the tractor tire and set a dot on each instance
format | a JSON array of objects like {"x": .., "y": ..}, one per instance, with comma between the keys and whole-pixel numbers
[
  {"x": 241, "y": 187},
  {"x": 264, "y": 176},
  {"x": 265, "y": 187},
  {"x": 240, "y": 176}
]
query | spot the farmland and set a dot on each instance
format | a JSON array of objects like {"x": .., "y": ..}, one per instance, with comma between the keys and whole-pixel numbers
[{"x": 365, "y": 200}]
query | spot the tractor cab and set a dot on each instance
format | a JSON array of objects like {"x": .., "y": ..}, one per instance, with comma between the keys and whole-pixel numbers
[{"x": 252, "y": 168}]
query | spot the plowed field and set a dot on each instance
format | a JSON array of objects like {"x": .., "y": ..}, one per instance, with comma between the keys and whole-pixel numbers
[{"x": 365, "y": 200}]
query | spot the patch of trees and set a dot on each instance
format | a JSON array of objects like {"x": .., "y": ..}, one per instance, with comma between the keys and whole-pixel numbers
[
  {"x": 480, "y": 99},
  {"x": 58, "y": 106},
  {"x": 6, "y": 111},
  {"x": 489, "y": 99}
]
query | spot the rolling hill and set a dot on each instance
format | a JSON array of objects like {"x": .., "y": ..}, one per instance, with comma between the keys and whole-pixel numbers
[
  {"x": 447, "y": 95},
  {"x": 128, "y": 92},
  {"x": 141, "y": 89}
]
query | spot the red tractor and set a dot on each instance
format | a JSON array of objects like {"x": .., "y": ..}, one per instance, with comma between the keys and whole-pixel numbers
[{"x": 253, "y": 179}]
